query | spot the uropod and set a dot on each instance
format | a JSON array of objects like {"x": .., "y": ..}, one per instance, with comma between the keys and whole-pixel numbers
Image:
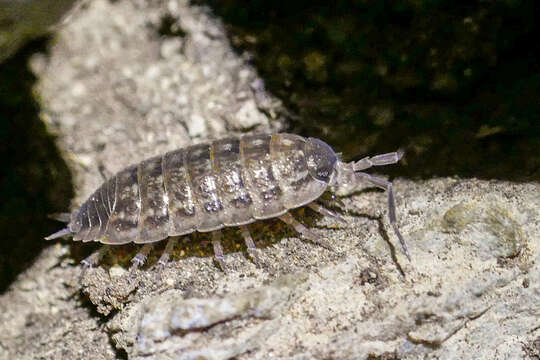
[{"x": 224, "y": 183}]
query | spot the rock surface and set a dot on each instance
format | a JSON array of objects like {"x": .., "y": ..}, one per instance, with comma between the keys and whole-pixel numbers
[{"x": 128, "y": 80}]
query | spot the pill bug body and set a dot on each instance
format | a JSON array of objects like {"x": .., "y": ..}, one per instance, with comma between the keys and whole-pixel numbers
[{"x": 205, "y": 187}]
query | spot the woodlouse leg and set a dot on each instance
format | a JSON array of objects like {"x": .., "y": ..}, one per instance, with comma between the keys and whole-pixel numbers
[
  {"x": 326, "y": 212},
  {"x": 139, "y": 259},
  {"x": 251, "y": 248},
  {"x": 95, "y": 257},
  {"x": 164, "y": 258},
  {"x": 304, "y": 231},
  {"x": 218, "y": 250},
  {"x": 387, "y": 185}
]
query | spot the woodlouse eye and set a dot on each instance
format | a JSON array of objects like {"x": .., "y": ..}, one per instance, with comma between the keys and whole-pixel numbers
[{"x": 321, "y": 159}]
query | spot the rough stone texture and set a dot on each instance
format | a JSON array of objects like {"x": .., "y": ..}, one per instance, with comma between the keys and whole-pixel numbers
[
  {"x": 459, "y": 296},
  {"x": 128, "y": 80},
  {"x": 42, "y": 318}
]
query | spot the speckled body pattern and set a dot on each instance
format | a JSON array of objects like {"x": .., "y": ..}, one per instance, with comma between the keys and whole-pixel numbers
[{"x": 205, "y": 187}]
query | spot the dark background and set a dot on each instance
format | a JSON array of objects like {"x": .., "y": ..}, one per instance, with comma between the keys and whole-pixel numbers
[
  {"x": 34, "y": 179},
  {"x": 454, "y": 83}
]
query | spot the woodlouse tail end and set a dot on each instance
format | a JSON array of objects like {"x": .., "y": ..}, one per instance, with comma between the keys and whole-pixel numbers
[
  {"x": 400, "y": 154},
  {"x": 63, "y": 232}
]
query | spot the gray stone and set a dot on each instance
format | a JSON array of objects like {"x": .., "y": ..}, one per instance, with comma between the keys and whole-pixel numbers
[
  {"x": 188, "y": 328},
  {"x": 115, "y": 91},
  {"x": 493, "y": 231}
]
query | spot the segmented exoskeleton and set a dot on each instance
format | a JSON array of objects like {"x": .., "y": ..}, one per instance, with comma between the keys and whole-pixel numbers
[{"x": 229, "y": 182}]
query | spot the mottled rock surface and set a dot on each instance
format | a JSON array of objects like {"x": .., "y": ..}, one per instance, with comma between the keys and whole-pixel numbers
[{"x": 127, "y": 80}]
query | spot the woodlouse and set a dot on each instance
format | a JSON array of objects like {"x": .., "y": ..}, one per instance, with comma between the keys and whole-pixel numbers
[{"x": 228, "y": 182}]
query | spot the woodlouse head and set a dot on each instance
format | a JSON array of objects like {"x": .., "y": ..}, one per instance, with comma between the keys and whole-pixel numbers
[{"x": 321, "y": 160}]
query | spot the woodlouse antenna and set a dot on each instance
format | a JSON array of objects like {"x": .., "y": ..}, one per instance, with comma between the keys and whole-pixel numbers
[{"x": 378, "y": 160}]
